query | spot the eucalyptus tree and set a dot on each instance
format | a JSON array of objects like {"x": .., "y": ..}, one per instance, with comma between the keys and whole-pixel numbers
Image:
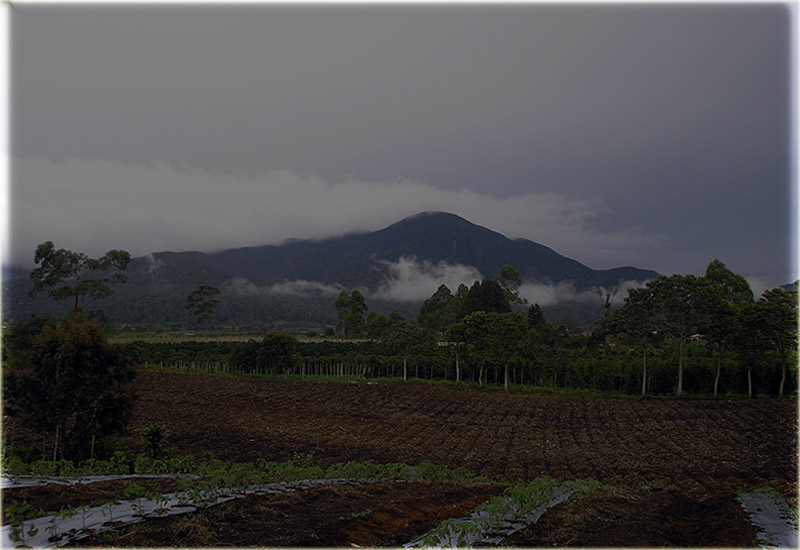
[
  {"x": 408, "y": 338},
  {"x": 724, "y": 295},
  {"x": 487, "y": 296},
  {"x": 637, "y": 321},
  {"x": 750, "y": 339},
  {"x": 536, "y": 316},
  {"x": 491, "y": 338},
  {"x": 437, "y": 313},
  {"x": 779, "y": 308},
  {"x": 376, "y": 325},
  {"x": 69, "y": 274},
  {"x": 202, "y": 302},
  {"x": 510, "y": 281},
  {"x": 676, "y": 304},
  {"x": 351, "y": 309}
]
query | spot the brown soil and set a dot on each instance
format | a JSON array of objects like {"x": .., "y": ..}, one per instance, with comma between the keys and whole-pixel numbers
[
  {"x": 49, "y": 499},
  {"x": 701, "y": 451},
  {"x": 640, "y": 518},
  {"x": 387, "y": 514}
]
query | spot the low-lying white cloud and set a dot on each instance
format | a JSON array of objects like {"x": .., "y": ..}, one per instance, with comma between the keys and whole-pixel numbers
[
  {"x": 300, "y": 287},
  {"x": 410, "y": 280},
  {"x": 96, "y": 205},
  {"x": 552, "y": 294},
  {"x": 757, "y": 286},
  {"x": 153, "y": 265}
]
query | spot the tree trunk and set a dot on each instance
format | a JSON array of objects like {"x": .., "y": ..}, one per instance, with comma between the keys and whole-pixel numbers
[
  {"x": 480, "y": 376},
  {"x": 75, "y": 306},
  {"x": 644, "y": 371},
  {"x": 458, "y": 372},
  {"x": 505, "y": 381},
  {"x": 719, "y": 370},
  {"x": 749, "y": 383},
  {"x": 783, "y": 373},
  {"x": 405, "y": 369},
  {"x": 680, "y": 368},
  {"x": 55, "y": 443}
]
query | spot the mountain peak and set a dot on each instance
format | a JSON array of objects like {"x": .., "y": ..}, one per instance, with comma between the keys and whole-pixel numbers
[{"x": 432, "y": 215}]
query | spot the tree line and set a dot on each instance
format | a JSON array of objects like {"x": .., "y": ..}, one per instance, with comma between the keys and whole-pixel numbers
[
  {"x": 705, "y": 335},
  {"x": 714, "y": 315}
]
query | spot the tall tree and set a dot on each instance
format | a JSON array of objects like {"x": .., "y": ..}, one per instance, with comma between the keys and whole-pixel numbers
[
  {"x": 535, "y": 316},
  {"x": 437, "y": 312},
  {"x": 493, "y": 339},
  {"x": 376, "y": 326},
  {"x": 607, "y": 296},
  {"x": 487, "y": 296},
  {"x": 676, "y": 301},
  {"x": 724, "y": 295},
  {"x": 351, "y": 309},
  {"x": 779, "y": 312},
  {"x": 750, "y": 339},
  {"x": 510, "y": 282},
  {"x": 635, "y": 320},
  {"x": 202, "y": 303},
  {"x": 74, "y": 274},
  {"x": 408, "y": 338}
]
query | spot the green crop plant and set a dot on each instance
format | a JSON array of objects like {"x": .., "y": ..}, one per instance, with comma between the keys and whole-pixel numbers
[
  {"x": 66, "y": 513},
  {"x": 83, "y": 510},
  {"x": 52, "y": 528},
  {"x": 136, "y": 492},
  {"x": 395, "y": 470},
  {"x": 108, "y": 509},
  {"x": 109, "y": 535},
  {"x": 160, "y": 500},
  {"x": 18, "y": 512},
  {"x": 353, "y": 470},
  {"x": 517, "y": 500}
]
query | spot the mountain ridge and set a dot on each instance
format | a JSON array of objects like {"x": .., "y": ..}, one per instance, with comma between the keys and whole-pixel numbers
[{"x": 435, "y": 240}]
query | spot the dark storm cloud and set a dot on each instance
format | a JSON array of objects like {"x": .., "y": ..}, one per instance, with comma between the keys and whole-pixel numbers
[{"x": 644, "y": 134}]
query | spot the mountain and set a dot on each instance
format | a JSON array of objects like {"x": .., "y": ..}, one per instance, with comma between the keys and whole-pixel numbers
[{"x": 295, "y": 281}]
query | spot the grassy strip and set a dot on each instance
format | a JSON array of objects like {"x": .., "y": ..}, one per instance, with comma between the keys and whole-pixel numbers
[
  {"x": 239, "y": 474},
  {"x": 463, "y": 386}
]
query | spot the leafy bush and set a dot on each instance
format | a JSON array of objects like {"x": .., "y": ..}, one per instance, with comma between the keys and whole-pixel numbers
[
  {"x": 75, "y": 388},
  {"x": 155, "y": 436}
]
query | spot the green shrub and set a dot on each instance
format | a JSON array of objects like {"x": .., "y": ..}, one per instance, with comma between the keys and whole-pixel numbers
[{"x": 155, "y": 437}]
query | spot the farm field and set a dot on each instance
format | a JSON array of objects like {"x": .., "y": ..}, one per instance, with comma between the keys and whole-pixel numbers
[
  {"x": 702, "y": 448},
  {"x": 672, "y": 467}
]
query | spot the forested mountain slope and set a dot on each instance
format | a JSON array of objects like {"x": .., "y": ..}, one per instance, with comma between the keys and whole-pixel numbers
[{"x": 296, "y": 281}]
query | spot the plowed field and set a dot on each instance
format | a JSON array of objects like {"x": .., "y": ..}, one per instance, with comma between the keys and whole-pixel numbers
[
  {"x": 672, "y": 467},
  {"x": 702, "y": 448}
]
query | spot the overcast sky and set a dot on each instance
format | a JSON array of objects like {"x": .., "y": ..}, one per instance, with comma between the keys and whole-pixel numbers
[{"x": 646, "y": 135}]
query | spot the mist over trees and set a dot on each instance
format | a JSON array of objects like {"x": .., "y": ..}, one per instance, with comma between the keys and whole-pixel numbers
[{"x": 686, "y": 333}]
